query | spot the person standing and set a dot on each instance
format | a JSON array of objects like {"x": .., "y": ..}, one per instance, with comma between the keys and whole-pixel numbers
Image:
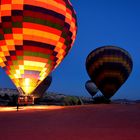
[{"x": 17, "y": 102}]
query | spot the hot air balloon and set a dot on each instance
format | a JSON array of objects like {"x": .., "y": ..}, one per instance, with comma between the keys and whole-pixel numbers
[
  {"x": 43, "y": 86},
  {"x": 35, "y": 36},
  {"x": 109, "y": 67},
  {"x": 91, "y": 87}
]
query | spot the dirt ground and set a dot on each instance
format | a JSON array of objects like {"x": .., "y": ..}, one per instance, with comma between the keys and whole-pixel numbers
[{"x": 89, "y": 122}]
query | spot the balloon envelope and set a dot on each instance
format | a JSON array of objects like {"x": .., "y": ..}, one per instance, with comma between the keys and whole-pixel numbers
[
  {"x": 109, "y": 67},
  {"x": 43, "y": 86},
  {"x": 91, "y": 87},
  {"x": 35, "y": 36}
]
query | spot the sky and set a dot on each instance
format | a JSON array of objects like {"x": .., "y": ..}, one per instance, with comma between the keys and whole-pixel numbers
[{"x": 100, "y": 22}]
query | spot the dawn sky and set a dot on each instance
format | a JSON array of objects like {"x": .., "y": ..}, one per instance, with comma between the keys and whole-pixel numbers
[{"x": 100, "y": 22}]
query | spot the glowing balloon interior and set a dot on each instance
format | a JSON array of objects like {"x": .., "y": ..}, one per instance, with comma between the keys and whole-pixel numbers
[
  {"x": 109, "y": 67},
  {"x": 35, "y": 36},
  {"x": 43, "y": 86}
]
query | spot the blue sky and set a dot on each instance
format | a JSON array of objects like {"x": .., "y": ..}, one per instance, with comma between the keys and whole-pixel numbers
[{"x": 100, "y": 22}]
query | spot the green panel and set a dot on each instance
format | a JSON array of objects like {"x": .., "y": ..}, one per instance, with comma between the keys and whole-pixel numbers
[
  {"x": 64, "y": 35},
  {"x": 68, "y": 6},
  {"x": 67, "y": 43},
  {"x": 20, "y": 57},
  {"x": 66, "y": 50},
  {"x": 1, "y": 37},
  {"x": 49, "y": 61},
  {"x": 15, "y": 62},
  {"x": 17, "y": 24},
  {"x": 54, "y": 25},
  {"x": 7, "y": 30},
  {"x": 36, "y": 54},
  {"x": 43, "y": 22}
]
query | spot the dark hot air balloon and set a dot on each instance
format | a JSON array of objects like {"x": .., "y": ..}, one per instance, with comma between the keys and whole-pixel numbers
[
  {"x": 91, "y": 87},
  {"x": 109, "y": 67}
]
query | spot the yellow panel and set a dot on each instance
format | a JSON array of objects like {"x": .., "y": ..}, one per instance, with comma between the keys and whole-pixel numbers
[
  {"x": 59, "y": 44},
  {"x": 72, "y": 25},
  {"x": 22, "y": 71},
  {"x": 61, "y": 51},
  {"x": 18, "y": 36},
  {"x": 5, "y": 7},
  {"x": 68, "y": 16},
  {"x": 2, "y": 54},
  {"x": 4, "y": 48},
  {"x": 17, "y": 1},
  {"x": 1, "y": 60},
  {"x": 55, "y": 4},
  {"x": 40, "y": 34},
  {"x": 10, "y": 42},
  {"x": 21, "y": 67},
  {"x": 17, "y": 76},
  {"x": 34, "y": 63},
  {"x": 32, "y": 68},
  {"x": 74, "y": 34},
  {"x": 43, "y": 74},
  {"x": 42, "y": 78},
  {"x": 44, "y": 70},
  {"x": 17, "y": 71}
]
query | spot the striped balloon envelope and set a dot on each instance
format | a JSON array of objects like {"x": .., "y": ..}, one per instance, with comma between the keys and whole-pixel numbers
[
  {"x": 109, "y": 67},
  {"x": 35, "y": 36}
]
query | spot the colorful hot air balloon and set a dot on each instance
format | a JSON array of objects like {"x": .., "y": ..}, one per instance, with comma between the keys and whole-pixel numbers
[
  {"x": 35, "y": 36},
  {"x": 91, "y": 87},
  {"x": 43, "y": 86},
  {"x": 109, "y": 67}
]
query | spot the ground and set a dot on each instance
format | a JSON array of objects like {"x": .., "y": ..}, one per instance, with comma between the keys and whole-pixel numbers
[{"x": 89, "y": 122}]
